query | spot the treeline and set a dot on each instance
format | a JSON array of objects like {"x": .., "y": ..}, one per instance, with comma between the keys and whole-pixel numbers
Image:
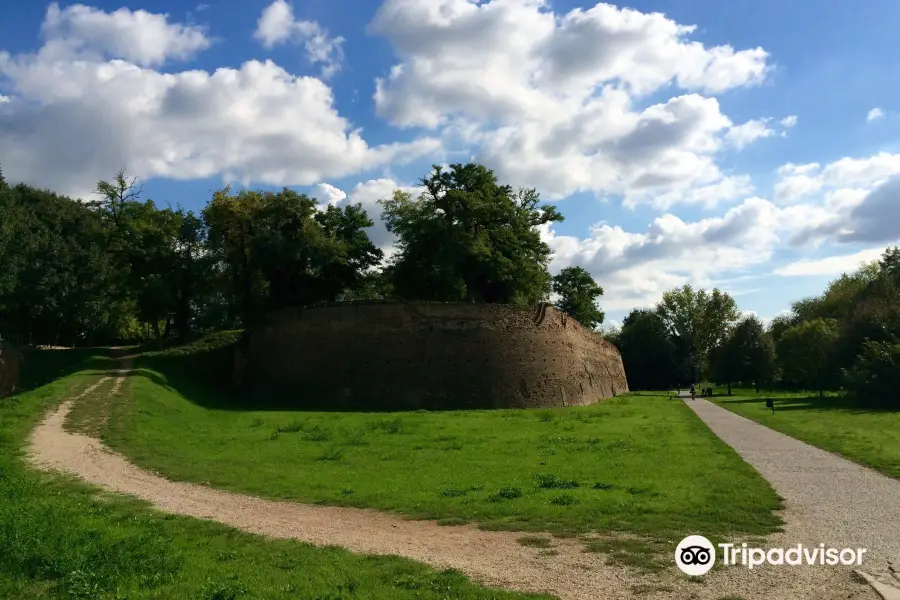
[
  {"x": 123, "y": 269},
  {"x": 847, "y": 338}
]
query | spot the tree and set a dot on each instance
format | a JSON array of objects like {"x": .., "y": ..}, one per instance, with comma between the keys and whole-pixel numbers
[
  {"x": 648, "y": 354},
  {"x": 780, "y": 324},
  {"x": 747, "y": 356},
  {"x": 344, "y": 270},
  {"x": 698, "y": 321},
  {"x": 469, "y": 238},
  {"x": 280, "y": 250},
  {"x": 117, "y": 194},
  {"x": 874, "y": 378},
  {"x": 578, "y": 293},
  {"x": 805, "y": 353},
  {"x": 57, "y": 272}
]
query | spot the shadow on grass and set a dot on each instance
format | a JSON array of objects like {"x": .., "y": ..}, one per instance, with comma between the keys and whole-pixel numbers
[
  {"x": 808, "y": 403},
  {"x": 216, "y": 393}
]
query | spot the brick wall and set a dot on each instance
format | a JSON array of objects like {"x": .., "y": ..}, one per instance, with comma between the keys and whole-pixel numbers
[{"x": 396, "y": 356}]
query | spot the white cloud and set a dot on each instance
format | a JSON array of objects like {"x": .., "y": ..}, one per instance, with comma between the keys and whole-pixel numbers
[
  {"x": 277, "y": 25},
  {"x": 832, "y": 265},
  {"x": 636, "y": 268},
  {"x": 789, "y": 121},
  {"x": 547, "y": 100},
  {"x": 75, "y": 120},
  {"x": 742, "y": 135},
  {"x": 874, "y": 114},
  {"x": 848, "y": 200},
  {"x": 368, "y": 193},
  {"x": 796, "y": 182},
  {"x": 328, "y": 194},
  {"x": 4, "y": 99},
  {"x": 143, "y": 38}
]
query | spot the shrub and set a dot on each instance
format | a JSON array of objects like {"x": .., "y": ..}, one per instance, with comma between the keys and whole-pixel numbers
[{"x": 875, "y": 377}]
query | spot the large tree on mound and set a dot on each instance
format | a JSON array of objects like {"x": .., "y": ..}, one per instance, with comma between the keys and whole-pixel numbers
[
  {"x": 281, "y": 250},
  {"x": 468, "y": 238},
  {"x": 578, "y": 293}
]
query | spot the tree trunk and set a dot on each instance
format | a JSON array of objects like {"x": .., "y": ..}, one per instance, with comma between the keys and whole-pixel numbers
[
  {"x": 729, "y": 389},
  {"x": 821, "y": 393}
]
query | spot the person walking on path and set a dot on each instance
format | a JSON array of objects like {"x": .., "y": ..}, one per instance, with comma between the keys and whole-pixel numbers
[{"x": 693, "y": 392}]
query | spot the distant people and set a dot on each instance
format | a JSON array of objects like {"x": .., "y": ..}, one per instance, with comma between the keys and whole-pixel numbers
[
  {"x": 693, "y": 392},
  {"x": 770, "y": 404}
]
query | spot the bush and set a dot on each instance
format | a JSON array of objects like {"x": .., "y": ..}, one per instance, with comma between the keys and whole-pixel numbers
[{"x": 874, "y": 378}]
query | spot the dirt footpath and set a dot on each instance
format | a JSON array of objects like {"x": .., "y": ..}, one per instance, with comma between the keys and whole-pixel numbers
[{"x": 493, "y": 558}]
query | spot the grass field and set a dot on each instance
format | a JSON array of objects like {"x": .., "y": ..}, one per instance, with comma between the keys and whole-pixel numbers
[
  {"x": 638, "y": 464},
  {"x": 870, "y": 437},
  {"x": 60, "y": 539}
]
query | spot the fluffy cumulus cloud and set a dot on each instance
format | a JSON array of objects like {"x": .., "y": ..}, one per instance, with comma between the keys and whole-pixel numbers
[
  {"x": 254, "y": 123},
  {"x": 368, "y": 193},
  {"x": 636, "y": 267},
  {"x": 747, "y": 133},
  {"x": 849, "y": 200},
  {"x": 327, "y": 194},
  {"x": 143, "y": 38},
  {"x": 831, "y": 265},
  {"x": 554, "y": 100},
  {"x": 277, "y": 25}
]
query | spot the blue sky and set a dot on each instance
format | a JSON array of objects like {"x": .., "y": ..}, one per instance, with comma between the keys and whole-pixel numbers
[{"x": 757, "y": 151}]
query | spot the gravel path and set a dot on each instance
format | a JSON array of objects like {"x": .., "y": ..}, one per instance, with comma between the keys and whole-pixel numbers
[
  {"x": 493, "y": 558},
  {"x": 829, "y": 499}
]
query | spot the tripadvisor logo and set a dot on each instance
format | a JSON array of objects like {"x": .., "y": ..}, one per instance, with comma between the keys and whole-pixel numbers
[{"x": 695, "y": 555}]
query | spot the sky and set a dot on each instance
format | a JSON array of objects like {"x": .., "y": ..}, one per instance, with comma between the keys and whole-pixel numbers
[{"x": 749, "y": 146}]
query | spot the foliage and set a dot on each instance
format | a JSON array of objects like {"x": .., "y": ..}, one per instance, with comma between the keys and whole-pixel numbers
[
  {"x": 875, "y": 376},
  {"x": 747, "y": 356},
  {"x": 863, "y": 309},
  {"x": 698, "y": 321},
  {"x": 578, "y": 293},
  {"x": 805, "y": 353},
  {"x": 469, "y": 238},
  {"x": 648, "y": 353}
]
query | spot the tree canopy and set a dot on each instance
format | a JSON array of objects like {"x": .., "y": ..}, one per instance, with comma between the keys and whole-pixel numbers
[
  {"x": 578, "y": 294},
  {"x": 121, "y": 267},
  {"x": 468, "y": 238}
]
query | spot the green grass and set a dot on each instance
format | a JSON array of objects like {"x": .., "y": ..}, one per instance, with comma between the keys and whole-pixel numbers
[
  {"x": 870, "y": 437},
  {"x": 644, "y": 465},
  {"x": 63, "y": 540},
  {"x": 649, "y": 557}
]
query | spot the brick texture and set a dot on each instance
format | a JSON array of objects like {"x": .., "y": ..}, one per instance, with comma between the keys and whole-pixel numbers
[{"x": 406, "y": 356}]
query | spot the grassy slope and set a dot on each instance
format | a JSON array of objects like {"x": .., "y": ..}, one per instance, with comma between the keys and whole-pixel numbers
[
  {"x": 59, "y": 539},
  {"x": 870, "y": 437},
  {"x": 640, "y": 464}
]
